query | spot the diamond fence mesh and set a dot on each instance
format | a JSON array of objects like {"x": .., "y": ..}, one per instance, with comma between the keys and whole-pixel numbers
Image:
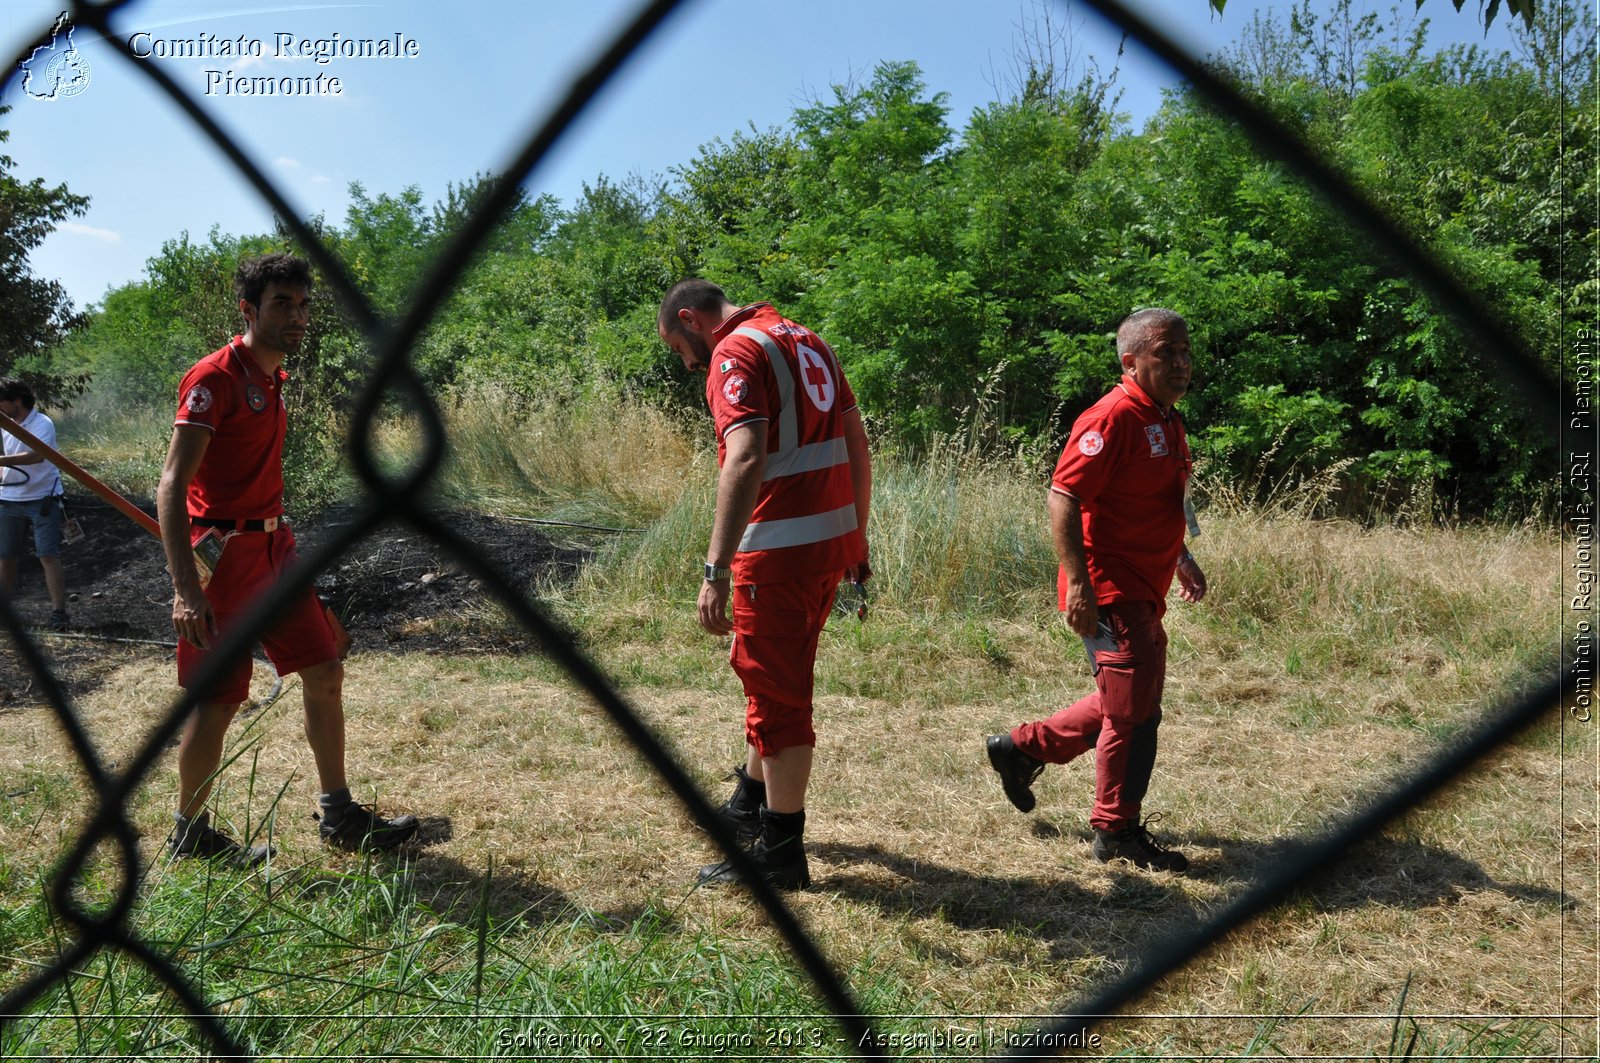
[{"x": 389, "y": 497}]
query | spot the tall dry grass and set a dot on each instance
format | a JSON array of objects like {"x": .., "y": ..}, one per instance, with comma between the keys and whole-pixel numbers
[
  {"x": 120, "y": 444},
  {"x": 596, "y": 455},
  {"x": 951, "y": 531}
]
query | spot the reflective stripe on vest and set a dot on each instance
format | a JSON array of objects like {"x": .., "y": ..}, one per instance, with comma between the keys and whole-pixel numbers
[
  {"x": 788, "y": 425},
  {"x": 798, "y": 531},
  {"x": 809, "y": 458}
]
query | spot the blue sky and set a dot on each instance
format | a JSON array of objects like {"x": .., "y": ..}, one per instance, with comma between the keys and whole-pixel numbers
[{"x": 485, "y": 72}]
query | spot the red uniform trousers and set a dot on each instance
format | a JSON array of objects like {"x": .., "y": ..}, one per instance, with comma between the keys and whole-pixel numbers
[
  {"x": 775, "y": 632},
  {"x": 251, "y": 563},
  {"x": 1118, "y": 721}
]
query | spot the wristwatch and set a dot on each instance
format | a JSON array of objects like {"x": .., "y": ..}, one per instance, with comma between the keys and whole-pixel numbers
[{"x": 713, "y": 573}]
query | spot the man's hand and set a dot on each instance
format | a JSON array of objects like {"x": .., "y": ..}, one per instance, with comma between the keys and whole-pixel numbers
[
  {"x": 714, "y": 606},
  {"x": 1191, "y": 581},
  {"x": 1083, "y": 614},
  {"x": 858, "y": 573},
  {"x": 192, "y": 617}
]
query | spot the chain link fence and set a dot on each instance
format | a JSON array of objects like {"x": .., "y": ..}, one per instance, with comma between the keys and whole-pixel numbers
[{"x": 390, "y": 497}]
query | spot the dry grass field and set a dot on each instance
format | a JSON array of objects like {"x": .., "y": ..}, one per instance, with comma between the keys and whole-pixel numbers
[{"x": 1328, "y": 659}]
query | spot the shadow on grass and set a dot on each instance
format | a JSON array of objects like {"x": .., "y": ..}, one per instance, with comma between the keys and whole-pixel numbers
[
  {"x": 454, "y": 891},
  {"x": 1136, "y": 908},
  {"x": 1391, "y": 872},
  {"x": 1079, "y": 921}
]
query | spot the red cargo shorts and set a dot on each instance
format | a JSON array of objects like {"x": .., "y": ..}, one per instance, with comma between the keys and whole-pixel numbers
[
  {"x": 775, "y": 632},
  {"x": 251, "y": 563}
]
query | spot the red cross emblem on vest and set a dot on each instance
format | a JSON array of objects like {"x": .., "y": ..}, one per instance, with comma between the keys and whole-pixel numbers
[{"x": 818, "y": 378}]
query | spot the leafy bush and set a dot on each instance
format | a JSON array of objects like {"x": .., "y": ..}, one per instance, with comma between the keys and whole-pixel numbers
[{"x": 978, "y": 274}]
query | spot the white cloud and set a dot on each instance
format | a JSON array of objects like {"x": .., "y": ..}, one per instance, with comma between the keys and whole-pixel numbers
[
  {"x": 286, "y": 162},
  {"x": 321, "y": 179},
  {"x": 110, "y": 236}
]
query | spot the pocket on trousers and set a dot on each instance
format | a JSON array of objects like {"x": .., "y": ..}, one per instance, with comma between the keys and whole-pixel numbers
[{"x": 758, "y": 618}]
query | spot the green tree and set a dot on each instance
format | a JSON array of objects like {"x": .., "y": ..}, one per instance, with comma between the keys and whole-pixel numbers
[{"x": 35, "y": 313}]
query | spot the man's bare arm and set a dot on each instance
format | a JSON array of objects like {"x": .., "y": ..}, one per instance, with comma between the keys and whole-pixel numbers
[
  {"x": 26, "y": 457},
  {"x": 738, "y": 485},
  {"x": 1066, "y": 531},
  {"x": 855, "y": 441},
  {"x": 191, "y": 613}
]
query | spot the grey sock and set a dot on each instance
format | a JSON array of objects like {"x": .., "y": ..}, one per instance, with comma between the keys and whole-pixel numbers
[
  {"x": 335, "y": 804},
  {"x": 188, "y": 828}
]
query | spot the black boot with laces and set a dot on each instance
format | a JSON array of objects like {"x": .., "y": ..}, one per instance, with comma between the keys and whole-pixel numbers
[
  {"x": 1136, "y": 844},
  {"x": 197, "y": 839},
  {"x": 742, "y": 809},
  {"x": 779, "y": 854},
  {"x": 358, "y": 828}
]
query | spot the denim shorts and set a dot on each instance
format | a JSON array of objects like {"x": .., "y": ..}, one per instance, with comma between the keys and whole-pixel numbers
[{"x": 45, "y": 515}]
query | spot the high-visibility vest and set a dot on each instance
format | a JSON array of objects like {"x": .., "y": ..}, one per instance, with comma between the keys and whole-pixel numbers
[{"x": 805, "y": 514}]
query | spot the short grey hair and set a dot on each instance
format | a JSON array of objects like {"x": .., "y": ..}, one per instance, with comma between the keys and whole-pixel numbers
[{"x": 1132, "y": 333}]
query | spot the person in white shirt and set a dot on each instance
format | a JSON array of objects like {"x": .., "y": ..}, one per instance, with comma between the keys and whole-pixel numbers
[{"x": 30, "y": 493}]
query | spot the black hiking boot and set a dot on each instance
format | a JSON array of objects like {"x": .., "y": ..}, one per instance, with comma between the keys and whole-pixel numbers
[
  {"x": 742, "y": 809},
  {"x": 784, "y": 868},
  {"x": 1136, "y": 844},
  {"x": 779, "y": 853},
  {"x": 59, "y": 620},
  {"x": 359, "y": 829},
  {"x": 201, "y": 841},
  {"x": 1017, "y": 771}
]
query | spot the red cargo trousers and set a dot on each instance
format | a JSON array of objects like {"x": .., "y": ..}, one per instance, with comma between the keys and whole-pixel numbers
[{"x": 1118, "y": 721}]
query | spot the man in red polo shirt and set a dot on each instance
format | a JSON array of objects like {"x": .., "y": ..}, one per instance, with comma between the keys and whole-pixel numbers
[
  {"x": 223, "y": 482},
  {"x": 791, "y": 519},
  {"x": 1117, "y": 520}
]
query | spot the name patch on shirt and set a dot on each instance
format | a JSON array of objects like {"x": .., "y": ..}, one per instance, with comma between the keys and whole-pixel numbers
[{"x": 1158, "y": 440}]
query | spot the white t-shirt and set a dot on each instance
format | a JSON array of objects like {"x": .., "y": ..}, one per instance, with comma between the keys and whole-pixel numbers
[{"x": 42, "y": 480}]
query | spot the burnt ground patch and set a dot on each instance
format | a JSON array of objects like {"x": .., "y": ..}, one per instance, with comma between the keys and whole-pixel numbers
[{"x": 394, "y": 591}]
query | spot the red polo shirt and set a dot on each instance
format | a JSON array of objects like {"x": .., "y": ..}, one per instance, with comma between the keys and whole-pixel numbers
[
  {"x": 1127, "y": 463},
  {"x": 241, "y": 475}
]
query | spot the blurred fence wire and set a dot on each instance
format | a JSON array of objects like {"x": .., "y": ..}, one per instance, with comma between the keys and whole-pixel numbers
[{"x": 398, "y": 497}]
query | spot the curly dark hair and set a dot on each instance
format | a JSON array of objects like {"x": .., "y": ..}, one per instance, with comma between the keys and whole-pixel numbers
[
  {"x": 254, "y": 274},
  {"x": 14, "y": 390}
]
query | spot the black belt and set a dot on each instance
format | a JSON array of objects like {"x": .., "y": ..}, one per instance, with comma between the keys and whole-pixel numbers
[{"x": 270, "y": 524}]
